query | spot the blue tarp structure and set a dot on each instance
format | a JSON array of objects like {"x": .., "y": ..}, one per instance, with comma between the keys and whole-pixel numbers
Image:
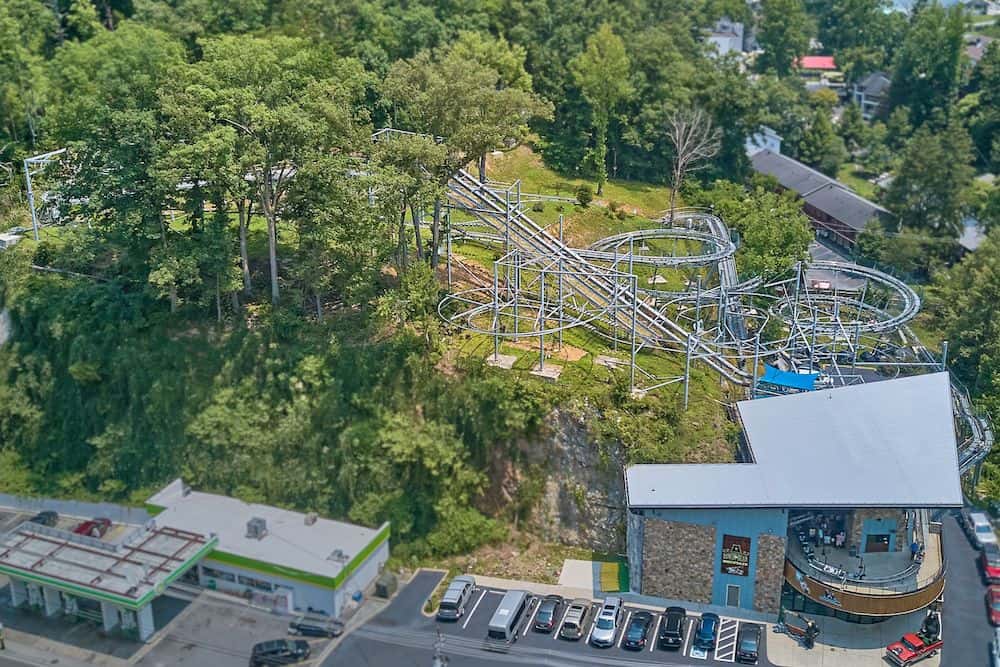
[{"x": 780, "y": 378}]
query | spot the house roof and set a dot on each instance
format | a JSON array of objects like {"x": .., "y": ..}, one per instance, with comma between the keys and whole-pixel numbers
[
  {"x": 883, "y": 444},
  {"x": 875, "y": 84},
  {"x": 819, "y": 190},
  {"x": 845, "y": 205},
  {"x": 972, "y": 235},
  {"x": 816, "y": 62},
  {"x": 322, "y": 547}
]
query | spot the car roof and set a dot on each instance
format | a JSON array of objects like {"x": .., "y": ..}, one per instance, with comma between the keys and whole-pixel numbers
[
  {"x": 710, "y": 615},
  {"x": 641, "y": 614},
  {"x": 677, "y": 610}
]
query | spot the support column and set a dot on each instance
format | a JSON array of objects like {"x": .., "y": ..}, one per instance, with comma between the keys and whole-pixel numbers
[
  {"x": 53, "y": 603},
  {"x": 18, "y": 593},
  {"x": 144, "y": 619},
  {"x": 34, "y": 595},
  {"x": 109, "y": 614}
]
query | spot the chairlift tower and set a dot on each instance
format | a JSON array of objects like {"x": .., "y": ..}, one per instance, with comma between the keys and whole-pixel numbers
[{"x": 32, "y": 166}]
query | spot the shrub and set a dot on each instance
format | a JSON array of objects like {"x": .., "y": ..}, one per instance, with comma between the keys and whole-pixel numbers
[
  {"x": 538, "y": 206},
  {"x": 584, "y": 195}
]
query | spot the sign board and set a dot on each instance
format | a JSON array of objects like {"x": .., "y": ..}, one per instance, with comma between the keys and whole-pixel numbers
[{"x": 735, "y": 555}]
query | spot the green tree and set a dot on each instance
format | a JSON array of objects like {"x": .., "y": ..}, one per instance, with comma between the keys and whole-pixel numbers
[
  {"x": 927, "y": 67},
  {"x": 820, "y": 146},
  {"x": 929, "y": 188},
  {"x": 852, "y": 129},
  {"x": 774, "y": 232},
  {"x": 601, "y": 72},
  {"x": 292, "y": 104},
  {"x": 982, "y": 108},
  {"x": 785, "y": 29}
]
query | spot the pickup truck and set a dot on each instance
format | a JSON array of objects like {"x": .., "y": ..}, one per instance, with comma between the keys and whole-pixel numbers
[{"x": 910, "y": 649}]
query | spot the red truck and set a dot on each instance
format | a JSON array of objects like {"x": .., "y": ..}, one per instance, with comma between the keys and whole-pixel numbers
[{"x": 910, "y": 649}]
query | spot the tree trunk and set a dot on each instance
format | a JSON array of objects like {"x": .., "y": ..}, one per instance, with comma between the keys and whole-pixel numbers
[
  {"x": 402, "y": 237},
  {"x": 218, "y": 299},
  {"x": 244, "y": 213},
  {"x": 673, "y": 195},
  {"x": 482, "y": 168},
  {"x": 602, "y": 155},
  {"x": 319, "y": 308},
  {"x": 436, "y": 234},
  {"x": 266, "y": 205},
  {"x": 415, "y": 214}
]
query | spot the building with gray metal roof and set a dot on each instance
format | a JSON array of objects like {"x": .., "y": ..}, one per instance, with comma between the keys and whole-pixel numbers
[{"x": 827, "y": 512}]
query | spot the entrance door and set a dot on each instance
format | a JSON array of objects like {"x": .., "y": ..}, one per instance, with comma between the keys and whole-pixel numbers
[
  {"x": 732, "y": 595},
  {"x": 877, "y": 544}
]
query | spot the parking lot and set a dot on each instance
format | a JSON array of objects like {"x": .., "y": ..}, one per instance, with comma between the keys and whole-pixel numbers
[
  {"x": 11, "y": 519},
  {"x": 393, "y": 637}
]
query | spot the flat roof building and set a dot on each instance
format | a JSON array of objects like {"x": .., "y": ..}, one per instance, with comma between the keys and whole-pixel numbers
[
  {"x": 827, "y": 508},
  {"x": 286, "y": 560},
  {"x": 62, "y": 572}
]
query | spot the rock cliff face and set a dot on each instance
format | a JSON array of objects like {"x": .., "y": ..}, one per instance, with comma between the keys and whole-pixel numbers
[{"x": 583, "y": 499}]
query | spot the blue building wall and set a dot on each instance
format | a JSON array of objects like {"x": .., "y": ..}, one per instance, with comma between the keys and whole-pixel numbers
[{"x": 739, "y": 522}]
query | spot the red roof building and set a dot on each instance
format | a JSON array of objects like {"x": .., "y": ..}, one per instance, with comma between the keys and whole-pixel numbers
[{"x": 822, "y": 63}]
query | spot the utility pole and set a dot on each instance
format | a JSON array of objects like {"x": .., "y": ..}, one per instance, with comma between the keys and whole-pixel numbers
[{"x": 440, "y": 660}]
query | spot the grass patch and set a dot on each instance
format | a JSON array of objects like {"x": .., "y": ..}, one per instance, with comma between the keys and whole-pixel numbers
[
  {"x": 522, "y": 163},
  {"x": 856, "y": 178}
]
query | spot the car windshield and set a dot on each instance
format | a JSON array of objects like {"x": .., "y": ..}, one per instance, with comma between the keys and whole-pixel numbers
[
  {"x": 995, "y": 604},
  {"x": 605, "y": 624},
  {"x": 984, "y": 529},
  {"x": 910, "y": 645},
  {"x": 748, "y": 644},
  {"x": 545, "y": 613}
]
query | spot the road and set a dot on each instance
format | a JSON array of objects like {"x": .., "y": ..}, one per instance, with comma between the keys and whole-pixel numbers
[
  {"x": 967, "y": 632},
  {"x": 10, "y": 662}
]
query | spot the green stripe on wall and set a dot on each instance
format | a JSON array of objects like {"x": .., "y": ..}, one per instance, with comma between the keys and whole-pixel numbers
[{"x": 301, "y": 575}]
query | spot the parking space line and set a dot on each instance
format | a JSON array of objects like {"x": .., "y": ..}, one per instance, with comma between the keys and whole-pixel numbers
[
  {"x": 558, "y": 628},
  {"x": 474, "y": 607},
  {"x": 624, "y": 627},
  {"x": 656, "y": 632},
  {"x": 593, "y": 622},
  {"x": 531, "y": 619},
  {"x": 687, "y": 635}
]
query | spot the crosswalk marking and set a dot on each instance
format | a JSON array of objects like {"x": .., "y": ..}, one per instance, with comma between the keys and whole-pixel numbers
[{"x": 725, "y": 644}]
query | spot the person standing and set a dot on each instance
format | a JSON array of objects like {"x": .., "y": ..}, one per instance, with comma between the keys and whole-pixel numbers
[{"x": 3, "y": 640}]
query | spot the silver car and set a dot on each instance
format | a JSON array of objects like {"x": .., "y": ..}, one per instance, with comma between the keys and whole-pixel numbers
[{"x": 608, "y": 618}]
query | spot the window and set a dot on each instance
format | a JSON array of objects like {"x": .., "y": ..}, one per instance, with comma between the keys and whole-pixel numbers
[
  {"x": 256, "y": 583},
  {"x": 217, "y": 574},
  {"x": 732, "y": 596}
]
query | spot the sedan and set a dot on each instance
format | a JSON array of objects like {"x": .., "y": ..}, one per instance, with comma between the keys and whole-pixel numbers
[
  {"x": 548, "y": 611},
  {"x": 993, "y": 604},
  {"x": 636, "y": 631},
  {"x": 990, "y": 561},
  {"x": 46, "y": 518},
  {"x": 748, "y": 644},
  {"x": 708, "y": 627}
]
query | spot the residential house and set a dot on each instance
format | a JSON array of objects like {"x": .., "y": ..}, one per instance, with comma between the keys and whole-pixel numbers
[
  {"x": 975, "y": 47},
  {"x": 765, "y": 139},
  {"x": 982, "y": 7},
  {"x": 837, "y": 213},
  {"x": 727, "y": 36},
  {"x": 872, "y": 94},
  {"x": 820, "y": 72}
]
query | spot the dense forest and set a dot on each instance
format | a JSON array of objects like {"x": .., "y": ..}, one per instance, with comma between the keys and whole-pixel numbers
[{"x": 242, "y": 286}]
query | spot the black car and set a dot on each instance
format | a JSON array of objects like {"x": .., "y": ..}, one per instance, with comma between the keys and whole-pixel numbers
[
  {"x": 708, "y": 627},
  {"x": 672, "y": 628},
  {"x": 748, "y": 644},
  {"x": 279, "y": 652},
  {"x": 315, "y": 627},
  {"x": 46, "y": 518},
  {"x": 548, "y": 611},
  {"x": 636, "y": 631}
]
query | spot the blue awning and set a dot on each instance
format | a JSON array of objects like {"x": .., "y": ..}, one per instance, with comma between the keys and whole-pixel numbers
[{"x": 780, "y": 378}]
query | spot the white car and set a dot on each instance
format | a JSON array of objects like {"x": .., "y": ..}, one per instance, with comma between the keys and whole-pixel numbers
[
  {"x": 606, "y": 627},
  {"x": 981, "y": 529}
]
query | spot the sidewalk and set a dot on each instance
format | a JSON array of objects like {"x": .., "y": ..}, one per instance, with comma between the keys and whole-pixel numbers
[{"x": 843, "y": 644}]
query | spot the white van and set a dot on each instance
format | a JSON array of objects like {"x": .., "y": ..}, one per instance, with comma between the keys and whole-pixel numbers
[{"x": 503, "y": 625}]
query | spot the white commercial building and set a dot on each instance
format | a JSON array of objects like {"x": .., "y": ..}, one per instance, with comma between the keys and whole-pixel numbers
[{"x": 287, "y": 561}]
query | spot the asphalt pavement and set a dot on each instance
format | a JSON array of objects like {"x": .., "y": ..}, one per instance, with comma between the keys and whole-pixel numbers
[
  {"x": 966, "y": 630},
  {"x": 402, "y": 635}
]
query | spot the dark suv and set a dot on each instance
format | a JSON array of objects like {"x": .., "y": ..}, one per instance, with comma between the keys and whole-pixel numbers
[
  {"x": 672, "y": 630},
  {"x": 46, "y": 518},
  {"x": 279, "y": 652},
  {"x": 306, "y": 626}
]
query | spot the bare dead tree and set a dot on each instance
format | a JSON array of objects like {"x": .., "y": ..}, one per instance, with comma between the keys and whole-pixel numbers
[{"x": 695, "y": 141}]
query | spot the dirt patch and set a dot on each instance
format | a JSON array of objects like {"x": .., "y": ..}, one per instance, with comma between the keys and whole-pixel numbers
[
  {"x": 523, "y": 556},
  {"x": 567, "y": 353}
]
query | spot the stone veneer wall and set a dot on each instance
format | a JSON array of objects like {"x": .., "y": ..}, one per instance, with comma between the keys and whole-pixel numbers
[
  {"x": 857, "y": 522},
  {"x": 678, "y": 560},
  {"x": 770, "y": 573}
]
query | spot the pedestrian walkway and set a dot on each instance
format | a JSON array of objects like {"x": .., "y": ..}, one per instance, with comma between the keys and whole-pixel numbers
[{"x": 843, "y": 644}]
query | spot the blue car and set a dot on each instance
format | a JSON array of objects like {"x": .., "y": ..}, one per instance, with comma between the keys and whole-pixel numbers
[{"x": 708, "y": 627}]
